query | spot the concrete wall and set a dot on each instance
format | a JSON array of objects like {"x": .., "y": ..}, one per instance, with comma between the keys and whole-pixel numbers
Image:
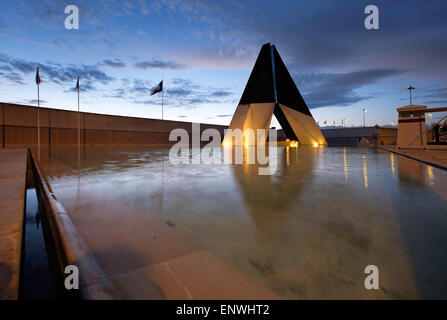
[
  {"x": 18, "y": 128},
  {"x": 353, "y": 136}
]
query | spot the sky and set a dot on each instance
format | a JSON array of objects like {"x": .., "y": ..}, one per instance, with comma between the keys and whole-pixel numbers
[{"x": 204, "y": 51}]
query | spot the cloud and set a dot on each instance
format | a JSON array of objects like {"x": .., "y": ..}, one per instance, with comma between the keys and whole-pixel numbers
[
  {"x": 339, "y": 89},
  {"x": 34, "y": 101},
  {"x": 157, "y": 63},
  {"x": 84, "y": 86},
  {"x": 13, "y": 77},
  {"x": 179, "y": 92},
  {"x": 221, "y": 93},
  {"x": 315, "y": 36},
  {"x": 223, "y": 115},
  {"x": 433, "y": 96},
  {"x": 113, "y": 63}
]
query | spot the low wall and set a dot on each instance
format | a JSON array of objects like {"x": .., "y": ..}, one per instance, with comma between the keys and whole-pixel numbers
[
  {"x": 376, "y": 136},
  {"x": 18, "y": 128}
]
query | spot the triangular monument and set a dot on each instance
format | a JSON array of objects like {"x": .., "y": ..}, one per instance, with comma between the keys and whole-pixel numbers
[{"x": 271, "y": 90}]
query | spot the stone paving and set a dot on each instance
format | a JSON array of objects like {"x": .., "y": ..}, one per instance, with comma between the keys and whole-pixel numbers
[{"x": 12, "y": 204}]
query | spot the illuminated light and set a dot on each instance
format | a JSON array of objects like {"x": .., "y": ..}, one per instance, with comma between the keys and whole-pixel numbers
[
  {"x": 345, "y": 164},
  {"x": 287, "y": 139},
  {"x": 227, "y": 144},
  {"x": 393, "y": 170},
  {"x": 287, "y": 156},
  {"x": 365, "y": 172},
  {"x": 430, "y": 175},
  {"x": 294, "y": 144},
  {"x": 315, "y": 144}
]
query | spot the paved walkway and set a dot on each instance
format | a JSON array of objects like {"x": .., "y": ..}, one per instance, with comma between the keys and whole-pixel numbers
[
  {"x": 437, "y": 158},
  {"x": 12, "y": 205}
]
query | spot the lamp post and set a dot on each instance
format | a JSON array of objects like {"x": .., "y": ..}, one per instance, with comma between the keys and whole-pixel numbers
[
  {"x": 411, "y": 88},
  {"x": 364, "y": 112},
  {"x": 430, "y": 115}
]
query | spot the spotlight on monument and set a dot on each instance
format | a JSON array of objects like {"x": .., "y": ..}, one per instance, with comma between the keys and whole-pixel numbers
[{"x": 270, "y": 90}]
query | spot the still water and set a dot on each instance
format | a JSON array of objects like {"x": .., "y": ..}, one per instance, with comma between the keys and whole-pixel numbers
[{"x": 307, "y": 231}]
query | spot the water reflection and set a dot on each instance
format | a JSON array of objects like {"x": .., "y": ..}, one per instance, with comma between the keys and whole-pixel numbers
[
  {"x": 424, "y": 228},
  {"x": 365, "y": 172},
  {"x": 393, "y": 169},
  {"x": 345, "y": 164},
  {"x": 304, "y": 232}
]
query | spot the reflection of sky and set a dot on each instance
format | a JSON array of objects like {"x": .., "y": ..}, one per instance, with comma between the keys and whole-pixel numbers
[
  {"x": 304, "y": 232},
  {"x": 206, "y": 49}
]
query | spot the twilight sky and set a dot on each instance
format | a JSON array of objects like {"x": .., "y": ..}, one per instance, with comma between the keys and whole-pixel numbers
[{"x": 205, "y": 51}]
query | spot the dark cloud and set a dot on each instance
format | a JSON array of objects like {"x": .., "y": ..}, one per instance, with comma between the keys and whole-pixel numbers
[
  {"x": 181, "y": 92},
  {"x": 157, "y": 63},
  {"x": 339, "y": 89},
  {"x": 119, "y": 93},
  {"x": 13, "y": 77},
  {"x": 320, "y": 35},
  {"x": 34, "y": 101},
  {"x": 221, "y": 93},
  {"x": 84, "y": 86},
  {"x": 54, "y": 72},
  {"x": 435, "y": 93},
  {"x": 16, "y": 64},
  {"x": 433, "y": 96},
  {"x": 113, "y": 63},
  {"x": 223, "y": 115},
  {"x": 140, "y": 86},
  {"x": 5, "y": 68}
]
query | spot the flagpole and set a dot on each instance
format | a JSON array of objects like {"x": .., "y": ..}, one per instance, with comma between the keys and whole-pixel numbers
[
  {"x": 162, "y": 94},
  {"x": 38, "y": 122},
  {"x": 79, "y": 127}
]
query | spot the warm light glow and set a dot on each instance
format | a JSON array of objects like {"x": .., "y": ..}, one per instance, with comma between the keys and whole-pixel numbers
[
  {"x": 345, "y": 164},
  {"x": 294, "y": 144},
  {"x": 315, "y": 144},
  {"x": 393, "y": 170},
  {"x": 431, "y": 176},
  {"x": 365, "y": 172}
]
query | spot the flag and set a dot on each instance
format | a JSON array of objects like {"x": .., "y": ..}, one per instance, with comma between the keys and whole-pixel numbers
[
  {"x": 37, "y": 76},
  {"x": 158, "y": 88},
  {"x": 325, "y": 121},
  {"x": 77, "y": 84}
]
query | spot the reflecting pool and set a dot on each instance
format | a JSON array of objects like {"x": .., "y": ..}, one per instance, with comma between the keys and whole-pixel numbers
[{"x": 307, "y": 231}]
